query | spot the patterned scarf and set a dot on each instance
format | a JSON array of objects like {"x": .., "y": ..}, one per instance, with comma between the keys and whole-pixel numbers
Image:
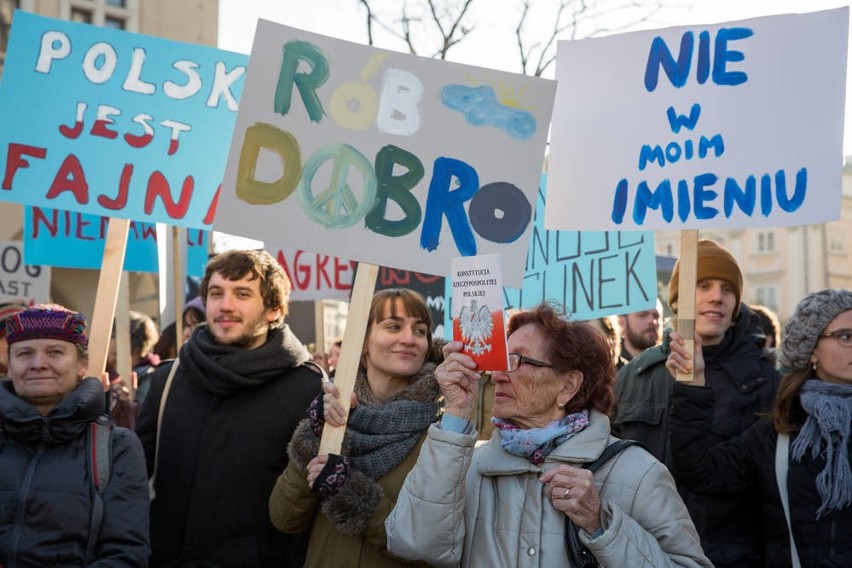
[
  {"x": 826, "y": 432},
  {"x": 536, "y": 443},
  {"x": 380, "y": 433}
]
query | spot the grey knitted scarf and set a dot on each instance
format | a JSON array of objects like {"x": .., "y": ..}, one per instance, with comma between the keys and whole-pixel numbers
[
  {"x": 826, "y": 431},
  {"x": 380, "y": 433}
]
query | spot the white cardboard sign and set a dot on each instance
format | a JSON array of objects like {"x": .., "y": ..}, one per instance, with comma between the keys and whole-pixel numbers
[{"x": 720, "y": 126}]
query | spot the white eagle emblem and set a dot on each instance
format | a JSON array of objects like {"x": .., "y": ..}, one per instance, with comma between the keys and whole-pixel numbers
[{"x": 476, "y": 328}]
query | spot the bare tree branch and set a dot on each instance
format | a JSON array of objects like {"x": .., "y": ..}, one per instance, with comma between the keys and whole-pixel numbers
[
  {"x": 419, "y": 22},
  {"x": 437, "y": 26},
  {"x": 370, "y": 19}
]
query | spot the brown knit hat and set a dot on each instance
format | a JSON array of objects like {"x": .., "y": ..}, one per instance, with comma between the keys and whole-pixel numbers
[{"x": 714, "y": 261}]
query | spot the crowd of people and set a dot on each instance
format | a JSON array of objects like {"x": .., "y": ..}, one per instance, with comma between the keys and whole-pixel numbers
[{"x": 584, "y": 452}]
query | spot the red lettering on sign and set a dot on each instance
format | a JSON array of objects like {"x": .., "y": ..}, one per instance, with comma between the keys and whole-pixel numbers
[
  {"x": 158, "y": 186},
  {"x": 70, "y": 177},
  {"x": 15, "y": 160}
]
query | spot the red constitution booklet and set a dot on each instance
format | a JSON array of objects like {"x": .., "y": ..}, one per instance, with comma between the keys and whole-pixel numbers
[{"x": 477, "y": 306}]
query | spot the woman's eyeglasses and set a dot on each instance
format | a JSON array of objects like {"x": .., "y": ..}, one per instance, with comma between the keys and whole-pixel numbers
[
  {"x": 516, "y": 359},
  {"x": 843, "y": 336}
]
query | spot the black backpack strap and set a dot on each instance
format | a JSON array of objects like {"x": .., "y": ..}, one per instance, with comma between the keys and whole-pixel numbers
[
  {"x": 98, "y": 437},
  {"x": 316, "y": 368},
  {"x": 610, "y": 452}
]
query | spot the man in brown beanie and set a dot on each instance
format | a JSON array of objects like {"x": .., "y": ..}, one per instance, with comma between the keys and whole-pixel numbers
[{"x": 738, "y": 368}]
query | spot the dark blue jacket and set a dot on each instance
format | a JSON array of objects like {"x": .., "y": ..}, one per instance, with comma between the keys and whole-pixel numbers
[
  {"x": 744, "y": 468},
  {"x": 46, "y": 493},
  {"x": 745, "y": 382}
]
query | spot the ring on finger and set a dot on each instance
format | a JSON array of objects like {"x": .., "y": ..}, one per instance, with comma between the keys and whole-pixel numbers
[{"x": 567, "y": 494}]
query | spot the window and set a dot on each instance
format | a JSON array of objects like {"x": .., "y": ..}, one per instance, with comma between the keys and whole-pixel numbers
[
  {"x": 114, "y": 23},
  {"x": 7, "y": 8},
  {"x": 765, "y": 241},
  {"x": 81, "y": 16},
  {"x": 116, "y": 14},
  {"x": 835, "y": 243},
  {"x": 766, "y": 295}
]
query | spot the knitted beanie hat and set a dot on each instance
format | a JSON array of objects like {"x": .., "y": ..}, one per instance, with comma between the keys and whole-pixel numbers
[
  {"x": 7, "y": 310},
  {"x": 812, "y": 316},
  {"x": 197, "y": 303},
  {"x": 47, "y": 321},
  {"x": 714, "y": 261}
]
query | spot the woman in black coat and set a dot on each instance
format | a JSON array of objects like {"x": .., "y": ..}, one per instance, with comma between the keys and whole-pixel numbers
[
  {"x": 58, "y": 505},
  {"x": 806, "y": 437}
]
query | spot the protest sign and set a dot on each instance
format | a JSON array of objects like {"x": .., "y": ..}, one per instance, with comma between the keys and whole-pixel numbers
[
  {"x": 70, "y": 239},
  {"x": 315, "y": 276},
  {"x": 592, "y": 273},
  {"x": 117, "y": 124},
  {"x": 381, "y": 157},
  {"x": 21, "y": 282},
  {"x": 429, "y": 286},
  {"x": 720, "y": 126}
]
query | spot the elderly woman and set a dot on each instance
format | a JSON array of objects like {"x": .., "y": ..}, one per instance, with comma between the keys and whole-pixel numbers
[
  {"x": 806, "y": 438},
  {"x": 65, "y": 500},
  {"x": 344, "y": 500},
  {"x": 506, "y": 503}
]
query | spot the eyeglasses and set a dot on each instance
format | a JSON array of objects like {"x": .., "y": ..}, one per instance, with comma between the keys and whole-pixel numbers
[
  {"x": 516, "y": 359},
  {"x": 843, "y": 336}
]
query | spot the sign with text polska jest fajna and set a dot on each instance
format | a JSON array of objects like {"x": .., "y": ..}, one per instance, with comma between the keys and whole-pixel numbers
[
  {"x": 381, "y": 157},
  {"x": 720, "y": 126},
  {"x": 117, "y": 124}
]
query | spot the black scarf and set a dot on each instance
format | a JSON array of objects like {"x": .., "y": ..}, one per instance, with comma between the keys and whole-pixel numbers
[
  {"x": 65, "y": 422},
  {"x": 223, "y": 370}
]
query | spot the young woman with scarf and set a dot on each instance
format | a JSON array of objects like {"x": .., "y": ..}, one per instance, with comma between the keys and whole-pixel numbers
[
  {"x": 811, "y": 417},
  {"x": 344, "y": 499}
]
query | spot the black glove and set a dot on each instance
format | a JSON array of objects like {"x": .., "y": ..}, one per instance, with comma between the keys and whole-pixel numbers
[
  {"x": 333, "y": 476},
  {"x": 316, "y": 418}
]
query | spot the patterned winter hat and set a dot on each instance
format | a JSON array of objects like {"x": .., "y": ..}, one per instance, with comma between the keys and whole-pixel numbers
[
  {"x": 7, "y": 310},
  {"x": 47, "y": 321},
  {"x": 812, "y": 316}
]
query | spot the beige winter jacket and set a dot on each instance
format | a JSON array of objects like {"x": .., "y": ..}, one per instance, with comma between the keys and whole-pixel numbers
[{"x": 488, "y": 508}]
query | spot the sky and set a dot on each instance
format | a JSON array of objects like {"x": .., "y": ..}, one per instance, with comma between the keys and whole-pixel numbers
[{"x": 492, "y": 44}]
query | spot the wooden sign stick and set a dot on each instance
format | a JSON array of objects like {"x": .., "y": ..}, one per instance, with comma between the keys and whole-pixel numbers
[
  {"x": 319, "y": 329},
  {"x": 688, "y": 263},
  {"x": 350, "y": 351},
  {"x": 177, "y": 274},
  {"x": 107, "y": 294}
]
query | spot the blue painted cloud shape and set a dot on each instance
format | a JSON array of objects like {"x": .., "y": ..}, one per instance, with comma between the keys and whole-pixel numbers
[{"x": 481, "y": 107}]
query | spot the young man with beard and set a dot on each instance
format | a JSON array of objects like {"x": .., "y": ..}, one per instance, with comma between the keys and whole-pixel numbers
[
  {"x": 639, "y": 331},
  {"x": 738, "y": 369},
  {"x": 242, "y": 384}
]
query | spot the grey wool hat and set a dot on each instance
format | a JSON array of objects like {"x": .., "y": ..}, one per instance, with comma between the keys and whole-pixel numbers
[{"x": 812, "y": 316}]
